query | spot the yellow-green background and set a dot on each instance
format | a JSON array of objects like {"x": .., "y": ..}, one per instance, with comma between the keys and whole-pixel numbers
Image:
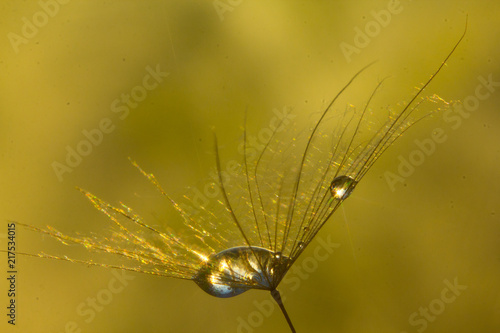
[{"x": 265, "y": 54}]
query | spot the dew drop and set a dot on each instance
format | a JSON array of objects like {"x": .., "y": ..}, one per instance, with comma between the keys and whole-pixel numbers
[
  {"x": 342, "y": 186},
  {"x": 238, "y": 269}
]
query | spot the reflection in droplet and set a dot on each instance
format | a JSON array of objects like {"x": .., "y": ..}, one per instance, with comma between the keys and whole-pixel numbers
[
  {"x": 238, "y": 269},
  {"x": 342, "y": 186}
]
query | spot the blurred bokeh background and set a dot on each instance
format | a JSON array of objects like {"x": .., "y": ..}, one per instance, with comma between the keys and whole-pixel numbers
[{"x": 65, "y": 67}]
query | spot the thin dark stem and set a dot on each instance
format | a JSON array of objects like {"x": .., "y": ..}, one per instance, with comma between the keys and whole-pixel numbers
[{"x": 277, "y": 297}]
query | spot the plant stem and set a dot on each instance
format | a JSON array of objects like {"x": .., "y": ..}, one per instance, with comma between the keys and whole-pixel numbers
[{"x": 277, "y": 297}]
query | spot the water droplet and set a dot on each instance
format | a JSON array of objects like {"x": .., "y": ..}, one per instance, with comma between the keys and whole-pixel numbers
[
  {"x": 342, "y": 186},
  {"x": 238, "y": 269}
]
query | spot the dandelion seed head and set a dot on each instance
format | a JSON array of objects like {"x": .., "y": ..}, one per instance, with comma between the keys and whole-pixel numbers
[{"x": 266, "y": 214}]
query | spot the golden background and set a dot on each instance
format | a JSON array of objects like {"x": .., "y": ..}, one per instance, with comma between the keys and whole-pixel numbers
[{"x": 396, "y": 247}]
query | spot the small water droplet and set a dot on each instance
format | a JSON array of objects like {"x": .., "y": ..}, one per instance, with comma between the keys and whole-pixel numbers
[
  {"x": 342, "y": 186},
  {"x": 238, "y": 269}
]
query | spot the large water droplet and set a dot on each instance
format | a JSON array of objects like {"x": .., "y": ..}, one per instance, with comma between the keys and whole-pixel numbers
[
  {"x": 238, "y": 269},
  {"x": 342, "y": 186}
]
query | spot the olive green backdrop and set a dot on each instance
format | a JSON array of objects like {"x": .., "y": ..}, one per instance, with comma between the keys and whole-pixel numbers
[{"x": 64, "y": 68}]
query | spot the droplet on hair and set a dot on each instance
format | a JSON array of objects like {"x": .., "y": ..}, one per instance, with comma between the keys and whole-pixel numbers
[{"x": 342, "y": 186}]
